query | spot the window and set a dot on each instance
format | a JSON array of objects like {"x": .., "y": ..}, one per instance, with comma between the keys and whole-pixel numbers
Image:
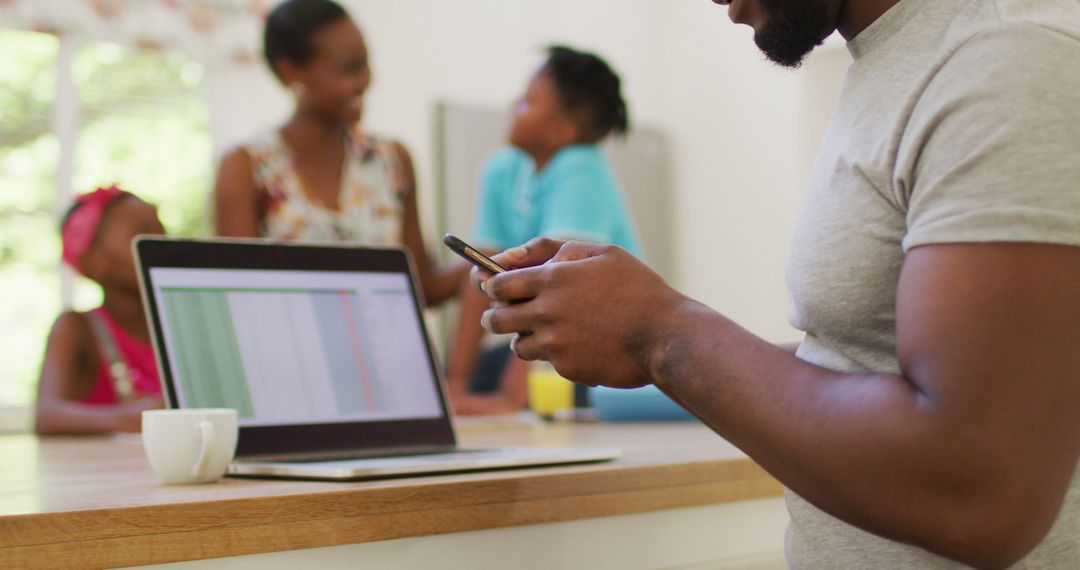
[{"x": 74, "y": 116}]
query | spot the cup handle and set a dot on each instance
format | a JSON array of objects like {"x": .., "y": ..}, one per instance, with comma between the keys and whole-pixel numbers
[{"x": 206, "y": 440}]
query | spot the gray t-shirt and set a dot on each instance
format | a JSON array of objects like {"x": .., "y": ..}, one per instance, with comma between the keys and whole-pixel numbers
[{"x": 959, "y": 121}]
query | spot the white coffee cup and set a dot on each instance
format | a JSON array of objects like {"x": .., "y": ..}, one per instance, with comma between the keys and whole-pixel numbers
[{"x": 189, "y": 446}]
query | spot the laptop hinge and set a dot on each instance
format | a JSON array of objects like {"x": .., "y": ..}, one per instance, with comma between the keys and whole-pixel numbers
[{"x": 345, "y": 454}]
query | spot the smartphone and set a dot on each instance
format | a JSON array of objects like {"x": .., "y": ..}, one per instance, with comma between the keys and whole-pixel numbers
[{"x": 471, "y": 254}]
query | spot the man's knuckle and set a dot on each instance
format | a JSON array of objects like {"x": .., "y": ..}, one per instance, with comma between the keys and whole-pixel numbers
[
  {"x": 494, "y": 288},
  {"x": 538, "y": 243},
  {"x": 542, "y": 313},
  {"x": 495, "y": 320},
  {"x": 524, "y": 347},
  {"x": 555, "y": 345},
  {"x": 552, "y": 276}
]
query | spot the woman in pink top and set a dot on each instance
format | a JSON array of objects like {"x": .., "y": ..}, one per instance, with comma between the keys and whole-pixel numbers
[{"x": 99, "y": 372}]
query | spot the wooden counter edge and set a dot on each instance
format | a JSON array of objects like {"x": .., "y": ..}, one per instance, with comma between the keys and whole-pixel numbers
[{"x": 152, "y": 534}]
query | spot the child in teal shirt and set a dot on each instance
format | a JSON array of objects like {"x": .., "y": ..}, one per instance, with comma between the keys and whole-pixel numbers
[
  {"x": 575, "y": 197},
  {"x": 554, "y": 181}
]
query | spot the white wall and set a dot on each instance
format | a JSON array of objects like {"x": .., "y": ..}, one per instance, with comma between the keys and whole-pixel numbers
[
  {"x": 245, "y": 99},
  {"x": 743, "y": 132},
  {"x": 739, "y": 166}
]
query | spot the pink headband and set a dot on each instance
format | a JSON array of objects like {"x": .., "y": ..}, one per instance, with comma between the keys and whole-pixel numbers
[{"x": 81, "y": 225}]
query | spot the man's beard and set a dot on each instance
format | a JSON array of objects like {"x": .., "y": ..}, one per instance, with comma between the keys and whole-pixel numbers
[{"x": 794, "y": 28}]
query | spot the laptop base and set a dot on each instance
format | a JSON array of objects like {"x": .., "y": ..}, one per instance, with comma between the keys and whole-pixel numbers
[{"x": 464, "y": 459}]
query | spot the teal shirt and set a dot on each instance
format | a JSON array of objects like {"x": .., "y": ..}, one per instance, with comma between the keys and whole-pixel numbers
[{"x": 575, "y": 197}]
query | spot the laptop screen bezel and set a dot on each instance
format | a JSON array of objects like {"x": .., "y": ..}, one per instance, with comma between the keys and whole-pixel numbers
[{"x": 165, "y": 252}]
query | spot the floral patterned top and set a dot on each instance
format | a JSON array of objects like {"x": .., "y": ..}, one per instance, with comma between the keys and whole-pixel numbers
[{"x": 369, "y": 206}]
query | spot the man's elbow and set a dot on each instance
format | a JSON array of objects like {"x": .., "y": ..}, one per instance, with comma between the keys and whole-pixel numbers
[{"x": 999, "y": 531}]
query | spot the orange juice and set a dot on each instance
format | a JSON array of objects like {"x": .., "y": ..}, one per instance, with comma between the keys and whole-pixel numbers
[{"x": 549, "y": 392}]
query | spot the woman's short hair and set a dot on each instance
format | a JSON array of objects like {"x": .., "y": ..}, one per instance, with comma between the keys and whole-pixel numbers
[{"x": 291, "y": 26}]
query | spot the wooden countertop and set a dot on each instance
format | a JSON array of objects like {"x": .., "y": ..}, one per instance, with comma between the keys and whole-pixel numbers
[{"x": 94, "y": 502}]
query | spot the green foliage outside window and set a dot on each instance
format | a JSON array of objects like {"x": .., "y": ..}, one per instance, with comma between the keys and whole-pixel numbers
[{"x": 143, "y": 126}]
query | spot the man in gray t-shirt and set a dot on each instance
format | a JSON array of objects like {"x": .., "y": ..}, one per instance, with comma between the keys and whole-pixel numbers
[
  {"x": 931, "y": 416},
  {"x": 958, "y": 123}
]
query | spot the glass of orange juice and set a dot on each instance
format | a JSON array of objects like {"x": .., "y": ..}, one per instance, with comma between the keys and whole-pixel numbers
[{"x": 549, "y": 393}]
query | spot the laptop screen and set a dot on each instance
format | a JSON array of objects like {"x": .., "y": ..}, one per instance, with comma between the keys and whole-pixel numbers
[
  {"x": 298, "y": 347},
  {"x": 317, "y": 347}
]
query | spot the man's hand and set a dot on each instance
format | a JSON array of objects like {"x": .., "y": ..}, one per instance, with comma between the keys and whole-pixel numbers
[
  {"x": 976, "y": 440},
  {"x": 591, "y": 310},
  {"x": 536, "y": 252}
]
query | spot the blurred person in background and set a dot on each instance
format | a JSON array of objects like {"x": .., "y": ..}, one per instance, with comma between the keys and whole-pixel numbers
[
  {"x": 99, "y": 371},
  {"x": 552, "y": 180},
  {"x": 320, "y": 176}
]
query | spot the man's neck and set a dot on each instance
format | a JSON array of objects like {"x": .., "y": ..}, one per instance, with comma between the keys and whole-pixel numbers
[{"x": 857, "y": 15}]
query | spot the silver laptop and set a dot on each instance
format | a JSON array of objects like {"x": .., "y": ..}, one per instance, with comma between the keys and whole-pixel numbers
[{"x": 321, "y": 349}]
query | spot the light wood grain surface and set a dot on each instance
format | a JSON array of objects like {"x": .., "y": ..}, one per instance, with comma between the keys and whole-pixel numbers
[{"x": 94, "y": 502}]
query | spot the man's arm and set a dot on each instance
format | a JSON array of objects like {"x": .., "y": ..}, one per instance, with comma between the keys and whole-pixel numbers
[{"x": 968, "y": 454}]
